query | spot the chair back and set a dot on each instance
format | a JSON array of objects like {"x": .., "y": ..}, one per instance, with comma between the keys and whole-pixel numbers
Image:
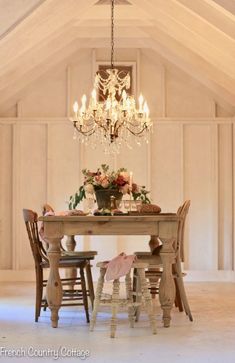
[
  {"x": 182, "y": 212},
  {"x": 38, "y": 251}
]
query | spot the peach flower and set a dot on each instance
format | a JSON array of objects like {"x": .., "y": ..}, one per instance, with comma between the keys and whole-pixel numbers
[{"x": 105, "y": 182}]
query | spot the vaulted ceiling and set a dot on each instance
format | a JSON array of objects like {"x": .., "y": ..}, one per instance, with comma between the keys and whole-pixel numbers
[{"x": 197, "y": 36}]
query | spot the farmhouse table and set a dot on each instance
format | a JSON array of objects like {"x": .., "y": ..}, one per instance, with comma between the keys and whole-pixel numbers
[{"x": 164, "y": 226}]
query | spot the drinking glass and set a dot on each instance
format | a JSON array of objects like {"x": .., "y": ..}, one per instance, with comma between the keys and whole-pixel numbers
[
  {"x": 138, "y": 204},
  {"x": 126, "y": 204}
]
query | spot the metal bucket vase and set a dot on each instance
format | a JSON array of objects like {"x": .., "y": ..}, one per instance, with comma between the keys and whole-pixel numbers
[{"x": 103, "y": 197}]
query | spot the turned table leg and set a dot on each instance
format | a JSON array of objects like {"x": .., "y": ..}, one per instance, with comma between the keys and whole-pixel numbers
[
  {"x": 54, "y": 286},
  {"x": 71, "y": 272},
  {"x": 167, "y": 284},
  {"x": 153, "y": 243}
]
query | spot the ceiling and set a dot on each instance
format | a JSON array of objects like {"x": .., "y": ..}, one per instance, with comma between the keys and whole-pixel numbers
[{"x": 197, "y": 36}]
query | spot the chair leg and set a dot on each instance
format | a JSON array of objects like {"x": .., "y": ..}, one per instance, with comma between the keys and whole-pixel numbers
[
  {"x": 84, "y": 294},
  {"x": 90, "y": 283},
  {"x": 148, "y": 299},
  {"x": 178, "y": 302},
  {"x": 99, "y": 289},
  {"x": 153, "y": 281},
  {"x": 114, "y": 306},
  {"x": 129, "y": 295},
  {"x": 182, "y": 292},
  {"x": 138, "y": 293},
  {"x": 39, "y": 291}
]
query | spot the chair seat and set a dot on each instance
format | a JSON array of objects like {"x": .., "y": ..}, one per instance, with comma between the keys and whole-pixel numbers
[
  {"x": 79, "y": 254},
  {"x": 150, "y": 260},
  {"x": 67, "y": 263},
  {"x": 143, "y": 253}
]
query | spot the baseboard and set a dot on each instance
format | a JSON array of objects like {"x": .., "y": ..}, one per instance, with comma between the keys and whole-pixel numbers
[
  {"x": 191, "y": 276},
  {"x": 209, "y": 276}
]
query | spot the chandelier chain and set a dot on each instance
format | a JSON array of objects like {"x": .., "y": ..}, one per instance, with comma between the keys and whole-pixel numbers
[{"x": 112, "y": 33}]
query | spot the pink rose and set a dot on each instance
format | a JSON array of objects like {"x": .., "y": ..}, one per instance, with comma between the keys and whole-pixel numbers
[
  {"x": 105, "y": 182},
  {"x": 125, "y": 189}
]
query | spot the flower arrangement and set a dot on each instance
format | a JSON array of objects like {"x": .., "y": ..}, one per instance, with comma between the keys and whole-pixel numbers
[{"x": 104, "y": 179}]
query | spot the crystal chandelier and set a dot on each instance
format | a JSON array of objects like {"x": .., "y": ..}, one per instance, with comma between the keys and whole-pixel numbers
[{"x": 117, "y": 118}]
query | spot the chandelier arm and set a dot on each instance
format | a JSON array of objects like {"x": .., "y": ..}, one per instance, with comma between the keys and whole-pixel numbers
[
  {"x": 144, "y": 127},
  {"x": 85, "y": 133},
  {"x": 101, "y": 125},
  {"x": 120, "y": 125},
  {"x": 136, "y": 133}
]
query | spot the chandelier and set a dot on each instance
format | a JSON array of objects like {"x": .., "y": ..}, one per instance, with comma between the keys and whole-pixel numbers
[{"x": 117, "y": 118}]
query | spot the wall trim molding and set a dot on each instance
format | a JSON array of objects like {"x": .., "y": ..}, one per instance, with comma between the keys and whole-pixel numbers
[
  {"x": 160, "y": 119},
  {"x": 192, "y": 276},
  {"x": 210, "y": 276}
]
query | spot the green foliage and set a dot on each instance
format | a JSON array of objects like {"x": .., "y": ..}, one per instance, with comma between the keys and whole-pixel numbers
[
  {"x": 142, "y": 195},
  {"x": 75, "y": 199}
]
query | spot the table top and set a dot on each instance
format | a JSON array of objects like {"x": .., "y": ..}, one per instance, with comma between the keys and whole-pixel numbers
[{"x": 117, "y": 218}]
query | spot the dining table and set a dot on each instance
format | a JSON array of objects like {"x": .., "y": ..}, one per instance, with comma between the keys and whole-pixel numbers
[{"x": 157, "y": 226}]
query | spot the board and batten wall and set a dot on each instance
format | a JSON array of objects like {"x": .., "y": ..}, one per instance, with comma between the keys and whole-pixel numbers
[{"x": 190, "y": 156}]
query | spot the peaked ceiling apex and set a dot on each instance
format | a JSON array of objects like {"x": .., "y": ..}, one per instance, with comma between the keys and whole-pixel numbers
[{"x": 117, "y": 2}]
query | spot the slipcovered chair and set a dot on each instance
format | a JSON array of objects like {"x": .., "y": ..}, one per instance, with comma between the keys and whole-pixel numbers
[{"x": 114, "y": 301}]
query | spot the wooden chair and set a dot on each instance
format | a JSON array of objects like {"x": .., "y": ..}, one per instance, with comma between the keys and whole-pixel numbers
[
  {"x": 114, "y": 300},
  {"x": 153, "y": 274},
  {"x": 71, "y": 296},
  {"x": 89, "y": 255}
]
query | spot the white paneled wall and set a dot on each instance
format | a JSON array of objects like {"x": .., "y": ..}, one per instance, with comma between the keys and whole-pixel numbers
[
  {"x": 191, "y": 159},
  {"x": 6, "y": 172},
  {"x": 200, "y": 185},
  {"x": 191, "y": 155}
]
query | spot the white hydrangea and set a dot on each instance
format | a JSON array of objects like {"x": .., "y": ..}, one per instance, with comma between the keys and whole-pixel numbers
[{"x": 89, "y": 188}]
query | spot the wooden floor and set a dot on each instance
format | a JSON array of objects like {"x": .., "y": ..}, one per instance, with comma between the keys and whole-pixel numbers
[{"x": 210, "y": 338}]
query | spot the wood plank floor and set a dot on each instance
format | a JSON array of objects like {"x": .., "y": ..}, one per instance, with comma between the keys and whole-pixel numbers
[{"x": 210, "y": 338}]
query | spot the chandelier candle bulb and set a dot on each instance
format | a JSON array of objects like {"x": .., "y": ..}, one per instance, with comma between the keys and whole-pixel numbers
[
  {"x": 141, "y": 100},
  {"x": 124, "y": 101},
  {"x": 93, "y": 95},
  {"x": 83, "y": 108},
  {"x": 75, "y": 110}
]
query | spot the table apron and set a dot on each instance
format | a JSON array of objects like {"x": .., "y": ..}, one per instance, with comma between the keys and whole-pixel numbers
[{"x": 165, "y": 229}]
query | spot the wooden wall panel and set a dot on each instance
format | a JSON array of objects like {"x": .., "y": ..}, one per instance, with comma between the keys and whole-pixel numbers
[
  {"x": 6, "y": 260},
  {"x": 63, "y": 165},
  {"x": 200, "y": 185},
  {"x": 166, "y": 166},
  {"x": 31, "y": 188},
  {"x": 225, "y": 202}
]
